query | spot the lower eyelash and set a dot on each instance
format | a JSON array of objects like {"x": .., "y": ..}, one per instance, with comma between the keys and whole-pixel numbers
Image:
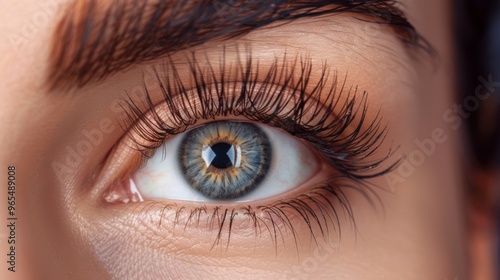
[{"x": 318, "y": 210}]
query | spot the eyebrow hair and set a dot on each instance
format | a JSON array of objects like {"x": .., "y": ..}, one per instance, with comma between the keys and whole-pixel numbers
[{"x": 96, "y": 38}]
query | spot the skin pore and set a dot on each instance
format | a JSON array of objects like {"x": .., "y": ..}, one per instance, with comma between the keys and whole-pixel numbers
[{"x": 413, "y": 229}]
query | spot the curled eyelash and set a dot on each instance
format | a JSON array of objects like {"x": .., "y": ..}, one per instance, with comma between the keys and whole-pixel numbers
[
  {"x": 280, "y": 95},
  {"x": 312, "y": 112}
]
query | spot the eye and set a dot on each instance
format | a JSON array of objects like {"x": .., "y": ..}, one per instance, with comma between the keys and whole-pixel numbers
[
  {"x": 242, "y": 161},
  {"x": 245, "y": 146}
]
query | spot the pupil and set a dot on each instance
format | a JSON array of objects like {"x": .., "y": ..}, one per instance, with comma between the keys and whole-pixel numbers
[{"x": 222, "y": 158}]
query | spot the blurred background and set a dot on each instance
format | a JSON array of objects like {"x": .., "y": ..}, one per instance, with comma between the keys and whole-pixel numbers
[{"x": 478, "y": 54}]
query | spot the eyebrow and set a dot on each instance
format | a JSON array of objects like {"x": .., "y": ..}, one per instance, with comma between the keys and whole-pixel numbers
[{"x": 96, "y": 38}]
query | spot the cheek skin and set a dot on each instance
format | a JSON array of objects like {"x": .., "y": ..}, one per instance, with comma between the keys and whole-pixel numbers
[{"x": 28, "y": 121}]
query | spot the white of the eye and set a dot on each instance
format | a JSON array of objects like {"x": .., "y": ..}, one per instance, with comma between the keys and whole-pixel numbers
[{"x": 293, "y": 163}]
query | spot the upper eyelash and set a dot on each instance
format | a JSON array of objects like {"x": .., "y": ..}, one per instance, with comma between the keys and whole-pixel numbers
[{"x": 347, "y": 153}]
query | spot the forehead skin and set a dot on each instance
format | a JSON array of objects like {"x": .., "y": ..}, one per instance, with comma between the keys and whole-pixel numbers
[{"x": 415, "y": 240}]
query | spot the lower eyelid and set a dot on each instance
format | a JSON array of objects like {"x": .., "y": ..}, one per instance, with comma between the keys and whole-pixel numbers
[
  {"x": 315, "y": 211},
  {"x": 273, "y": 222}
]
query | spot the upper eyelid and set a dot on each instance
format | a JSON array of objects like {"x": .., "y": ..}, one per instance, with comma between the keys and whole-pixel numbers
[
  {"x": 94, "y": 40},
  {"x": 333, "y": 97}
]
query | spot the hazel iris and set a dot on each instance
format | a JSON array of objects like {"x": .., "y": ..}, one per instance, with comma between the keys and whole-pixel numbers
[{"x": 224, "y": 160}]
